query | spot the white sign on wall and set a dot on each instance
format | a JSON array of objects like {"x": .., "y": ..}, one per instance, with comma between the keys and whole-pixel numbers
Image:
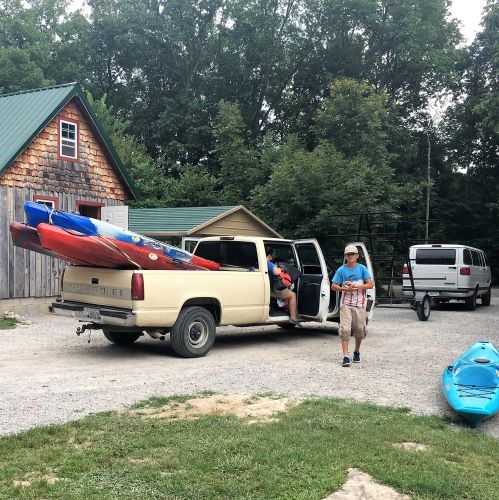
[{"x": 117, "y": 215}]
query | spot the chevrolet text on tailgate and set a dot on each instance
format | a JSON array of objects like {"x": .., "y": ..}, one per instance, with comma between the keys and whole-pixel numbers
[{"x": 189, "y": 305}]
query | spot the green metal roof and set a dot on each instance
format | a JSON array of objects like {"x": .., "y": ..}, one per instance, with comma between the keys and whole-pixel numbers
[
  {"x": 172, "y": 220},
  {"x": 23, "y": 115}
]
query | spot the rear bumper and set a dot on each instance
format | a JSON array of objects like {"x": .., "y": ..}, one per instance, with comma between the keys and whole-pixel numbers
[
  {"x": 95, "y": 314},
  {"x": 444, "y": 294}
]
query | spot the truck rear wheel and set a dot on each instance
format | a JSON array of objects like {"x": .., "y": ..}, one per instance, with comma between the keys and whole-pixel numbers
[
  {"x": 193, "y": 334},
  {"x": 121, "y": 338}
]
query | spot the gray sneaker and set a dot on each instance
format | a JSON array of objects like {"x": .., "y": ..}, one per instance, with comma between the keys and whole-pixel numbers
[{"x": 356, "y": 356}]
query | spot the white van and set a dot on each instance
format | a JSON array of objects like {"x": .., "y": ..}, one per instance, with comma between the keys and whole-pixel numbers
[{"x": 449, "y": 272}]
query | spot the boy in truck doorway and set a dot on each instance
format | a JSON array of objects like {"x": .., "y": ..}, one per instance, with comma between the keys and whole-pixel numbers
[
  {"x": 286, "y": 294},
  {"x": 352, "y": 279}
]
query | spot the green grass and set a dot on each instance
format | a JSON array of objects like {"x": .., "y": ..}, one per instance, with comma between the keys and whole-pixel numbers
[
  {"x": 304, "y": 455},
  {"x": 6, "y": 324}
]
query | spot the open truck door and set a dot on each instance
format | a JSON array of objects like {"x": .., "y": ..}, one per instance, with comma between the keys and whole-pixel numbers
[{"x": 313, "y": 289}]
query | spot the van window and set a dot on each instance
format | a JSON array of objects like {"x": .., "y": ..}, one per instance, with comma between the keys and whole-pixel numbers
[
  {"x": 436, "y": 256},
  {"x": 475, "y": 257},
  {"x": 485, "y": 258},
  {"x": 467, "y": 257},
  {"x": 482, "y": 260},
  {"x": 229, "y": 253}
]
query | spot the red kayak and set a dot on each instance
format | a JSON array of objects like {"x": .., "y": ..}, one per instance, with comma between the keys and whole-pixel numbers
[
  {"x": 26, "y": 237},
  {"x": 106, "y": 252}
]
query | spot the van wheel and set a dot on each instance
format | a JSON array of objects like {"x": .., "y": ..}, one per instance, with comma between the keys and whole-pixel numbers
[
  {"x": 471, "y": 302},
  {"x": 485, "y": 299},
  {"x": 121, "y": 338},
  {"x": 423, "y": 309},
  {"x": 193, "y": 334}
]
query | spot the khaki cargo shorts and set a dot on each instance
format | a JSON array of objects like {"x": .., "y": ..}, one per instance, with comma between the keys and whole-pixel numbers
[{"x": 352, "y": 322}]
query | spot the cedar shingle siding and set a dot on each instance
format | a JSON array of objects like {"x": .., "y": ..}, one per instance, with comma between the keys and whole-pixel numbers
[
  {"x": 39, "y": 167},
  {"x": 96, "y": 176}
]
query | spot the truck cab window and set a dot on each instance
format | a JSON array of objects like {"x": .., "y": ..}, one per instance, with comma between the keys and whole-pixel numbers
[
  {"x": 229, "y": 253},
  {"x": 309, "y": 259},
  {"x": 282, "y": 253}
]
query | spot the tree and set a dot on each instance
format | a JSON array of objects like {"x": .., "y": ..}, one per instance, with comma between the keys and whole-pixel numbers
[
  {"x": 355, "y": 119},
  {"x": 239, "y": 164}
]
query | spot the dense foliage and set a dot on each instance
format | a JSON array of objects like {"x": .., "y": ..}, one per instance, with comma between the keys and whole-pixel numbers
[{"x": 299, "y": 109}]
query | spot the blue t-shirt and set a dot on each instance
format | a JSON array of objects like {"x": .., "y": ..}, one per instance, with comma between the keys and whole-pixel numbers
[{"x": 358, "y": 275}]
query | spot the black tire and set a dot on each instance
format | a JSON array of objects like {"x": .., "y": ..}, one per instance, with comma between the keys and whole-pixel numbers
[
  {"x": 121, "y": 338},
  {"x": 485, "y": 299},
  {"x": 470, "y": 302},
  {"x": 193, "y": 334},
  {"x": 423, "y": 309}
]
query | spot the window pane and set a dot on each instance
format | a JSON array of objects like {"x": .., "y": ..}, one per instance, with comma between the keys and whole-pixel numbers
[
  {"x": 467, "y": 257},
  {"x": 436, "y": 256},
  {"x": 308, "y": 255},
  {"x": 229, "y": 253},
  {"x": 282, "y": 253},
  {"x": 475, "y": 258},
  {"x": 68, "y": 150},
  {"x": 48, "y": 203}
]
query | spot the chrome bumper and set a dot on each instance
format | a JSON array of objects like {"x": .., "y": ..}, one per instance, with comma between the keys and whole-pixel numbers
[{"x": 95, "y": 314}]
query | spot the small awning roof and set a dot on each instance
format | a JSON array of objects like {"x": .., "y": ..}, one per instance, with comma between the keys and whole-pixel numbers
[{"x": 198, "y": 221}]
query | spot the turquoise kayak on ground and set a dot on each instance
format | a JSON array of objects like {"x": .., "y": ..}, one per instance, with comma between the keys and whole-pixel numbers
[{"x": 471, "y": 383}]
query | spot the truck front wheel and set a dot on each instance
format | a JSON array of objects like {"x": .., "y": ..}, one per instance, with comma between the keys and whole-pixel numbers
[
  {"x": 193, "y": 334},
  {"x": 121, "y": 338}
]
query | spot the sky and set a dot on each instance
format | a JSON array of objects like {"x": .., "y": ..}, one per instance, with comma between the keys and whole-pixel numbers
[{"x": 468, "y": 12}]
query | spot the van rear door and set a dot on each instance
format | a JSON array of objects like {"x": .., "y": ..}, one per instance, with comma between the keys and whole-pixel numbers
[{"x": 435, "y": 269}]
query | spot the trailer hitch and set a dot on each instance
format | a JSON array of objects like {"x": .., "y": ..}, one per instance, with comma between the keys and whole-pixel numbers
[{"x": 89, "y": 327}]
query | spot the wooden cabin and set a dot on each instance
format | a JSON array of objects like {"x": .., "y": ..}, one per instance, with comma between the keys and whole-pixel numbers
[
  {"x": 185, "y": 226},
  {"x": 52, "y": 151}
]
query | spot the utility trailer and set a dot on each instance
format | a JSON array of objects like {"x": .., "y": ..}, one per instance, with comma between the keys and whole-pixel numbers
[{"x": 388, "y": 238}]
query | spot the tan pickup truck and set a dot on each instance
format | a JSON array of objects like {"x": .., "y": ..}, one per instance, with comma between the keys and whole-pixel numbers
[{"x": 189, "y": 305}]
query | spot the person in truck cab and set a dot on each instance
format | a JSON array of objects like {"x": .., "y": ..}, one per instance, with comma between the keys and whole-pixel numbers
[
  {"x": 286, "y": 294},
  {"x": 352, "y": 279}
]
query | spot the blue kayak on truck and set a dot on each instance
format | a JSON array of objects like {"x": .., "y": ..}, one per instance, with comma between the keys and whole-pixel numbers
[
  {"x": 471, "y": 383},
  {"x": 37, "y": 213}
]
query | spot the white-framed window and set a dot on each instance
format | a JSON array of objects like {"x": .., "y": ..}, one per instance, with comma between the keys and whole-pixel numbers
[
  {"x": 68, "y": 139},
  {"x": 49, "y": 201}
]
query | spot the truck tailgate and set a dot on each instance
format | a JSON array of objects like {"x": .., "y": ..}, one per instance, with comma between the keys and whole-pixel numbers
[{"x": 104, "y": 287}]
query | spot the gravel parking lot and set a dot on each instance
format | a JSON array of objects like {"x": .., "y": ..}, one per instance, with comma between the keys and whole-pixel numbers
[{"x": 49, "y": 375}]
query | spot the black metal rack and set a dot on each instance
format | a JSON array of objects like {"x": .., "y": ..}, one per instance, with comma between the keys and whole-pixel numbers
[{"x": 387, "y": 238}]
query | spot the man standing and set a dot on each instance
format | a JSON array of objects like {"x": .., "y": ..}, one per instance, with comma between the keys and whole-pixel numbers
[{"x": 353, "y": 280}]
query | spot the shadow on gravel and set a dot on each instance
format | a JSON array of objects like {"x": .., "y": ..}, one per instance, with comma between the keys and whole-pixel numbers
[
  {"x": 458, "y": 306},
  {"x": 228, "y": 339}
]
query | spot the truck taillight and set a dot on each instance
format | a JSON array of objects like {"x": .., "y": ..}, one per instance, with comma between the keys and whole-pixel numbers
[
  {"x": 137, "y": 286},
  {"x": 405, "y": 269},
  {"x": 465, "y": 271},
  {"x": 62, "y": 279}
]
